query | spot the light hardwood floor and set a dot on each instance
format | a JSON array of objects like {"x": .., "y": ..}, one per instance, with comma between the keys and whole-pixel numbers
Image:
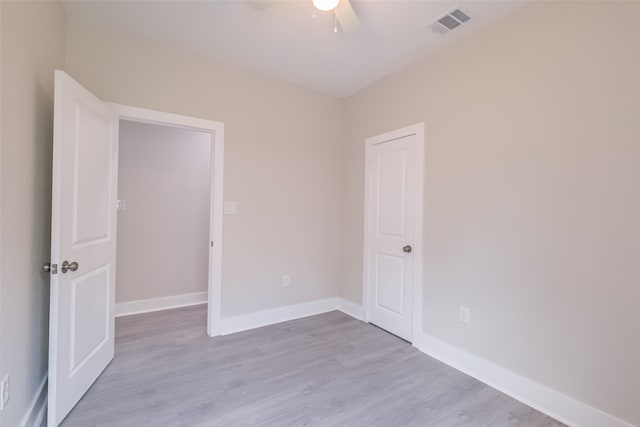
[{"x": 326, "y": 370}]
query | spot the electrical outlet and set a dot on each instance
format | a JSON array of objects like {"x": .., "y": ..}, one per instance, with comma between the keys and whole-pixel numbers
[
  {"x": 286, "y": 280},
  {"x": 465, "y": 314},
  {"x": 4, "y": 392}
]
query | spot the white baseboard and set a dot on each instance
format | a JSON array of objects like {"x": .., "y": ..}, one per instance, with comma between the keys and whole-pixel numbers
[
  {"x": 258, "y": 319},
  {"x": 38, "y": 407},
  {"x": 157, "y": 304},
  {"x": 544, "y": 399},
  {"x": 351, "y": 308},
  {"x": 551, "y": 402}
]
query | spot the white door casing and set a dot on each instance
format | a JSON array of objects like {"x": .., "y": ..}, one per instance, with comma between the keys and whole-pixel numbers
[
  {"x": 393, "y": 229},
  {"x": 216, "y": 130},
  {"x": 83, "y": 230}
]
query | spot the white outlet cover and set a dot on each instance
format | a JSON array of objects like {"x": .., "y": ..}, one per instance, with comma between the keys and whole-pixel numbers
[
  {"x": 230, "y": 208},
  {"x": 286, "y": 280}
]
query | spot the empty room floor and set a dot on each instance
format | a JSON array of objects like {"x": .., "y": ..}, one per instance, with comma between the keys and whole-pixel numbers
[{"x": 326, "y": 370}]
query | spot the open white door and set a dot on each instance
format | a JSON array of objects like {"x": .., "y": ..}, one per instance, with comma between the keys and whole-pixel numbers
[{"x": 83, "y": 244}]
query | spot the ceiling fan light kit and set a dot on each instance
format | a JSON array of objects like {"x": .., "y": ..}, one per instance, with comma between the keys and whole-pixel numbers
[
  {"x": 345, "y": 16},
  {"x": 325, "y": 5}
]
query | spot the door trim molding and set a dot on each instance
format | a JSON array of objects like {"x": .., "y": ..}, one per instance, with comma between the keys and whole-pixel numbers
[
  {"x": 417, "y": 130},
  {"x": 216, "y": 130}
]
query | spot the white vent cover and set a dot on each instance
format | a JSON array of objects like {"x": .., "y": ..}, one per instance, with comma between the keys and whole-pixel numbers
[{"x": 449, "y": 21}]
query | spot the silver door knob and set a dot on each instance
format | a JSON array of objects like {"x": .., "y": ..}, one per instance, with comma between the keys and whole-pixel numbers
[
  {"x": 69, "y": 267},
  {"x": 407, "y": 249},
  {"x": 47, "y": 267}
]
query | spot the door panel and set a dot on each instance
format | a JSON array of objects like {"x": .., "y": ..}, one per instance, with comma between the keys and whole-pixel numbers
[
  {"x": 391, "y": 192},
  {"x": 390, "y": 272},
  {"x": 89, "y": 315},
  {"x": 92, "y": 178},
  {"x": 391, "y": 189},
  {"x": 83, "y": 224}
]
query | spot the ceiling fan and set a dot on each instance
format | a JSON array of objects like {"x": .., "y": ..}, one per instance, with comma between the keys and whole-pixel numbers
[{"x": 344, "y": 13}]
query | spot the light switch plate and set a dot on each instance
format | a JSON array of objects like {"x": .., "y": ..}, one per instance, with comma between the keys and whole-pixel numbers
[
  {"x": 121, "y": 205},
  {"x": 230, "y": 208}
]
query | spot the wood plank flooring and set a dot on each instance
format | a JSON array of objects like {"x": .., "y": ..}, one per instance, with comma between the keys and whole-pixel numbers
[{"x": 326, "y": 370}]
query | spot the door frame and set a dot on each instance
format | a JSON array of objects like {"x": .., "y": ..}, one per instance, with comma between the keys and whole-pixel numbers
[
  {"x": 418, "y": 131},
  {"x": 216, "y": 130}
]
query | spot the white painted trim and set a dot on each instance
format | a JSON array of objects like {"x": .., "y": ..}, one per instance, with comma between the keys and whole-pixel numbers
[
  {"x": 262, "y": 318},
  {"x": 38, "y": 407},
  {"x": 551, "y": 402},
  {"x": 214, "y": 314},
  {"x": 418, "y": 130},
  {"x": 350, "y": 308},
  {"x": 216, "y": 129},
  {"x": 144, "y": 115},
  {"x": 158, "y": 304}
]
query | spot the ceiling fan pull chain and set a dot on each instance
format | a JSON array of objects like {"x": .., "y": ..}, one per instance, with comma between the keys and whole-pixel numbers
[{"x": 335, "y": 22}]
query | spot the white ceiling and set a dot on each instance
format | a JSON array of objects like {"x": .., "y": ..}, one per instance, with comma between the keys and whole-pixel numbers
[{"x": 285, "y": 41}]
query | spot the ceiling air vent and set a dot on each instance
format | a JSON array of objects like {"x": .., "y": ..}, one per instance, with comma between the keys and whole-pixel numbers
[{"x": 451, "y": 20}]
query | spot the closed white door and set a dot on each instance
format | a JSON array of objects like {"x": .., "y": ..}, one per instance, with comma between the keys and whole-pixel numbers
[
  {"x": 390, "y": 226},
  {"x": 83, "y": 244}
]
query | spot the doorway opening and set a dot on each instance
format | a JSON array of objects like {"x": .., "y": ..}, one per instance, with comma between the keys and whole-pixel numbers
[
  {"x": 169, "y": 238},
  {"x": 83, "y": 235},
  {"x": 164, "y": 187}
]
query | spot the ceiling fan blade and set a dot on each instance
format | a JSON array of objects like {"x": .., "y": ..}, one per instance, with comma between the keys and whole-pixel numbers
[
  {"x": 261, "y": 5},
  {"x": 346, "y": 16}
]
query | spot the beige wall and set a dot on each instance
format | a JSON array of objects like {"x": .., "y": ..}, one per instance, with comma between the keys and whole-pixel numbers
[
  {"x": 32, "y": 46},
  {"x": 531, "y": 199},
  {"x": 531, "y": 194},
  {"x": 283, "y": 151},
  {"x": 163, "y": 234}
]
